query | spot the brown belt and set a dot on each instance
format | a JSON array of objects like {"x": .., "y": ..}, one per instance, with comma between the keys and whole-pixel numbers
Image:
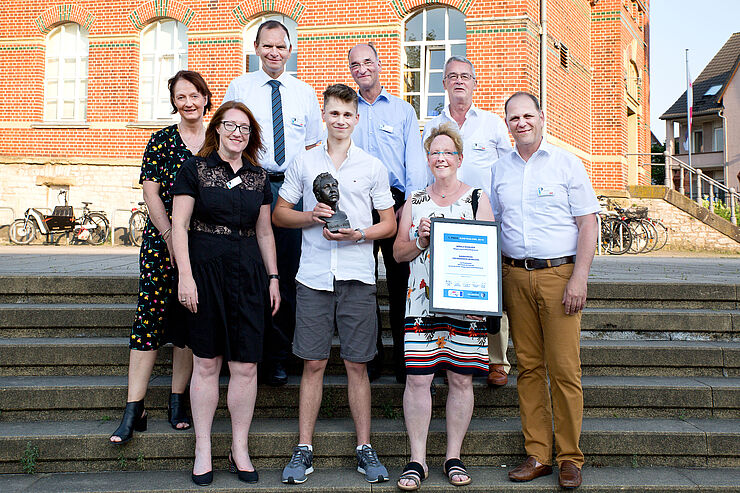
[{"x": 538, "y": 263}]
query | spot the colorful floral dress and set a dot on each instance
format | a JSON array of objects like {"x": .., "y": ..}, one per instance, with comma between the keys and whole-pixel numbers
[
  {"x": 163, "y": 157},
  {"x": 448, "y": 342}
]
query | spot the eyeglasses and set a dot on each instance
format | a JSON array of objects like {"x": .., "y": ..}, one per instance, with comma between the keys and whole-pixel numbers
[
  {"x": 454, "y": 76},
  {"x": 365, "y": 63},
  {"x": 446, "y": 154},
  {"x": 231, "y": 126}
]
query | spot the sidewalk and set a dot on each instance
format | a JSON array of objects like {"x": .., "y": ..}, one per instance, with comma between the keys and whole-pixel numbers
[{"x": 80, "y": 260}]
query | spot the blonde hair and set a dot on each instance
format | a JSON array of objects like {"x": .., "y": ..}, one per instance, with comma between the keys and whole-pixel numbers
[{"x": 448, "y": 130}]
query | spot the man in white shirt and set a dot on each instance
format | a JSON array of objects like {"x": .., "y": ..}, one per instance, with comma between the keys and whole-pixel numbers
[
  {"x": 485, "y": 139},
  {"x": 336, "y": 276},
  {"x": 288, "y": 113},
  {"x": 389, "y": 130},
  {"x": 543, "y": 197}
]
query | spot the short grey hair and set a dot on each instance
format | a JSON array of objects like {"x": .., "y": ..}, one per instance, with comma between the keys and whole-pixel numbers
[{"x": 458, "y": 58}]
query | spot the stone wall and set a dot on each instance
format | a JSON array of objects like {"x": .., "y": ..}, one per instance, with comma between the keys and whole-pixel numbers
[{"x": 685, "y": 232}]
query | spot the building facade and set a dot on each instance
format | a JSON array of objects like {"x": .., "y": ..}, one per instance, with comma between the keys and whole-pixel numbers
[{"x": 85, "y": 81}]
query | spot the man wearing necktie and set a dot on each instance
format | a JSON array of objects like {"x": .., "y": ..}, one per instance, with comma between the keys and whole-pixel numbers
[{"x": 288, "y": 113}]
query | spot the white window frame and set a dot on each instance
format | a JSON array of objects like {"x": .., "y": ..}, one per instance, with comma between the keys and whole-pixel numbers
[
  {"x": 61, "y": 54},
  {"x": 159, "y": 99},
  {"x": 249, "y": 39},
  {"x": 718, "y": 139},
  {"x": 425, "y": 49}
]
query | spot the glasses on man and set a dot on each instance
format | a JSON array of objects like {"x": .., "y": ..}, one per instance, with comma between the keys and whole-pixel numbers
[
  {"x": 446, "y": 154},
  {"x": 231, "y": 126},
  {"x": 455, "y": 76},
  {"x": 365, "y": 63}
]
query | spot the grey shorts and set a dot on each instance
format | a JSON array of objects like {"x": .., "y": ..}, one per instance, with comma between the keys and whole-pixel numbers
[{"x": 349, "y": 309}]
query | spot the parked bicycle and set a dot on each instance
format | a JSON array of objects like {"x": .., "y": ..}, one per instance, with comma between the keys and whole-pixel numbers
[
  {"x": 646, "y": 234},
  {"x": 137, "y": 223},
  {"x": 616, "y": 235},
  {"x": 92, "y": 227}
]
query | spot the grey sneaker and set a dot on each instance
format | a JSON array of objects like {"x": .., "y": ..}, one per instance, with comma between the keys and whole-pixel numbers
[
  {"x": 369, "y": 465},
  {"x": 300, "y": 465}
]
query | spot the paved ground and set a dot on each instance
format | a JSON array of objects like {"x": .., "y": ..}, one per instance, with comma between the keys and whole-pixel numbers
[{"x": 123, "y": 261}]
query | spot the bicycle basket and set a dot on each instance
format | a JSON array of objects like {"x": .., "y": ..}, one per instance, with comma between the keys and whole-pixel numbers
[{"x": 639, "y": 212}]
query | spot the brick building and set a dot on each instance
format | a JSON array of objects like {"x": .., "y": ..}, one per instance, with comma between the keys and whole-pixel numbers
[{"x": 85, "y": 81}]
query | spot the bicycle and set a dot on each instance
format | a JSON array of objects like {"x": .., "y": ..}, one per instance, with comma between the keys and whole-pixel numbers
[
  {"x": 92, "y": 227},
  {"x": 616, "y": 235},
  {"x": 137, "y": 223}
]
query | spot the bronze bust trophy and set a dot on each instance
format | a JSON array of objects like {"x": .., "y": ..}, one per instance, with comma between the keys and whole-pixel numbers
[{"x": 326, "y": 190}]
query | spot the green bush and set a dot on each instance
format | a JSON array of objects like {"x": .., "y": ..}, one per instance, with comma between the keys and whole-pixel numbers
[{"x": 721, "y": 209}]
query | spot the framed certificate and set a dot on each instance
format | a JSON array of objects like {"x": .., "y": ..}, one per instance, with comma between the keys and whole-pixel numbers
[{"x": 465, "y": 273}]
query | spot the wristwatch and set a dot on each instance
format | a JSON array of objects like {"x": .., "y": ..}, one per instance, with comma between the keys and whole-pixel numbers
[{"x": 361, "y": 240}]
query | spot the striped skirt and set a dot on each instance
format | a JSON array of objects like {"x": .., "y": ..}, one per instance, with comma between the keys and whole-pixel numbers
[{"x": 445, "y": 343}]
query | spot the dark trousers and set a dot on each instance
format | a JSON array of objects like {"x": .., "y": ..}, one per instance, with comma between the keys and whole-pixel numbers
[
  {"x": 397, "y": 278},
  {"x": 279, "y": 337}
]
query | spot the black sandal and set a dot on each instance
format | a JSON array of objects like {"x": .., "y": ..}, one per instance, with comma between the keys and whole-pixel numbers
[
  {"x": 134, "y": 418},
  {"x": 412, "y": 472},
  {"x": 177, "y": 411},
  {"x": 455, "y": 467}
]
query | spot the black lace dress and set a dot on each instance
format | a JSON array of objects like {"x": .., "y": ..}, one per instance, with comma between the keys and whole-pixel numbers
[{"x": 229, "y": 274}]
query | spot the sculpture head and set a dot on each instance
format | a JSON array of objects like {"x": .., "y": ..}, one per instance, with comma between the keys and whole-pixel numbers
[{"x": 326, "y": 189}]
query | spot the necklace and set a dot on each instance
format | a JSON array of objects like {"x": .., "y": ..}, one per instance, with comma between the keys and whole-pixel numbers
[
  {"x": 191, "y": 145},
  {"x": 443, "y": 195}
]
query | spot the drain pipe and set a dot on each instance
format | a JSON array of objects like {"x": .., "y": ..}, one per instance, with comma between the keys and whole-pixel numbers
[{"x": 543, "y": 55}]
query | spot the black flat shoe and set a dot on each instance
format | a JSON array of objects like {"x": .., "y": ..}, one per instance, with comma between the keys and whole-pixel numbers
[
  {"x": 202, "y": 479},
  {"x": 134, "y": 418},
  {"x": 246, "y": 476},
  {"x": 177, "y": 412}
]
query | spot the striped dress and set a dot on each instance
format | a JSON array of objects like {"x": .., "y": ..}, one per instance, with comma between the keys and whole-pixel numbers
[{"x": 447, "y": 342}]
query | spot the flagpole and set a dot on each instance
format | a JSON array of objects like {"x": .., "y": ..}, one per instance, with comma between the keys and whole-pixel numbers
[{"x": 689, "y": 104}]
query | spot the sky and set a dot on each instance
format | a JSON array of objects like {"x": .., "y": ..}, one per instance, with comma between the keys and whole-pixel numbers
[{"x": 702, "y": 26}]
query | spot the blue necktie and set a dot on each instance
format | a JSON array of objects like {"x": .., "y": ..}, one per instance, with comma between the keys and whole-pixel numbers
[{"x": 277, "y": 123}]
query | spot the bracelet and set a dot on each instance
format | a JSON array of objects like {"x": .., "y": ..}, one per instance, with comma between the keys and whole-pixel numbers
[
  {"x": 273, "y": 276},
  {"x": 164, "y": 234},
  {"x": 418, "y": 244}
]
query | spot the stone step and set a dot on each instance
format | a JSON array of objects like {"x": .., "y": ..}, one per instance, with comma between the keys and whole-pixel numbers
[
  {"x": 101, "y": 397},
  {"x": 114, "y": 319},
  {"x": 79, "y": 446},
  {"x": 109, "y": 356},
  {"x": 68, "y": 289},
  {"x": 129, "y": 477}
]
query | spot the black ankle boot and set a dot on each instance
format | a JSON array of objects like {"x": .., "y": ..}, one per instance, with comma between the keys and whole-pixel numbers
[
  {"x": 177, "y": 411},
  {"x": 134, "y": 418}
]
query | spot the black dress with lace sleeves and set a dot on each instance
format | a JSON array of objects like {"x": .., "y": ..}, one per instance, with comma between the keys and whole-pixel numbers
[{"x": 230, "y": 276}]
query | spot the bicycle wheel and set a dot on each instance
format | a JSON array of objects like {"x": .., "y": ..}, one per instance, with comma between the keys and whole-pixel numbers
[
  {"x": 662, "y": 234},
  {"x": 652, "y": 235},
  {"x": 97, "y": 224},
  {"x": 639, "y": 237},
  {"x": 21, "y": 233},
  {"x": 136, "y": 225},
  {"x": 616, "y": 236}
]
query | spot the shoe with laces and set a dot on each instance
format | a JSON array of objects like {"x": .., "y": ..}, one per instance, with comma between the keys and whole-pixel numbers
[
  {"x": 369, "y": 465},
  {"x": 300, "y": 465}
]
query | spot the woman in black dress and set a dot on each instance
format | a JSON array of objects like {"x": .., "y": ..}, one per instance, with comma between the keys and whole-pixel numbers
[
  {"x": 166, "y": 151},
  {"x": 228, "y": 277}
]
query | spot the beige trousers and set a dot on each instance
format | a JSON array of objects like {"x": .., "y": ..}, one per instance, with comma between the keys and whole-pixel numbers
[
  {"x": 497, "y": 345},
  {"x": 547, "y": 343}
]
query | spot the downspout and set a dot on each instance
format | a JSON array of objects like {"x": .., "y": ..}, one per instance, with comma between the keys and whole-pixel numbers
[
  {"x": 543, "y": 55},
  {"x": 724, "y": 149}
]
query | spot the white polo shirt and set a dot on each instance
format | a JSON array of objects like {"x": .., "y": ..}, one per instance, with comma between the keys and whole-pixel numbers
[
  {"x": 537, "y": 202},
  {"x": 301, "y": 113},
  {"x": 363, "y": 186},
  {"x": 485, "y": 140}
]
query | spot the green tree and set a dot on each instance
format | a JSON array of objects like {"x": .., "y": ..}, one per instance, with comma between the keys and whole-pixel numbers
[{"x": 657, "y": 173}]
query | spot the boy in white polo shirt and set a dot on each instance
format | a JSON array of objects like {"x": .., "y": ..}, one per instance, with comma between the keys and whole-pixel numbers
[{"x": 336, "y": 275}]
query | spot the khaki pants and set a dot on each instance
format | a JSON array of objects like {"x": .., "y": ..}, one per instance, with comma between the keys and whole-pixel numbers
[
  {"x": 497, "y": 345},
  {"x": 547, "y": 342}
]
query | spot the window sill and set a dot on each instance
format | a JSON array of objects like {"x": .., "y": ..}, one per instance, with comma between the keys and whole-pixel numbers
[
  {"x": 151, "y": 124},
  {"x": 62, "y": 124}
]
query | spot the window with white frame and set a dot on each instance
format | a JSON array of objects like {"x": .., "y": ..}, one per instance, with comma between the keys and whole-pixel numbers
[
  {"x": 718, "y": 139},
  {"x": 164, "y": 52},
  {"x": 65, "y": 87},
  {"x": 252, "y": 62},
  {"x": 431, "y": 36}
]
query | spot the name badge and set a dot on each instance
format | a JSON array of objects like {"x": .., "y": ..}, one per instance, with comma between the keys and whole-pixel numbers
[
  {"x": 386, "y": 128},
  {"x": 297, "y": 122},
  {"x": 232, "y": 183},
  {"x": 479, "y": 147},
  {"x": 545, "y": 191}
]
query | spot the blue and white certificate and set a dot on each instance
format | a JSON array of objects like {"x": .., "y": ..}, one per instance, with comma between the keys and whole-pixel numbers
[{"x": 465, "y": 275}]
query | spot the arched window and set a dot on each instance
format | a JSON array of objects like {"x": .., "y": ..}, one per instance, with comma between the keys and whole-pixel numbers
[
  {"x": 251, "y": 60},
  {"x": 431, "y": 36},
  {"x": 65, "y": 91},
  {"x": 632, "y": 80},
  {"x": 164, "y": 51}
]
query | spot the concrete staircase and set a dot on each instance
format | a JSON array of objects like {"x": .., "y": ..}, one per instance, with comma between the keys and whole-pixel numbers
[{"x": 661, "y": 381}]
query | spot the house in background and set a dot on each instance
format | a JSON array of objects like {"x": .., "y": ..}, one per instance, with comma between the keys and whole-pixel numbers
[{"x": 716, "y": 118}]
